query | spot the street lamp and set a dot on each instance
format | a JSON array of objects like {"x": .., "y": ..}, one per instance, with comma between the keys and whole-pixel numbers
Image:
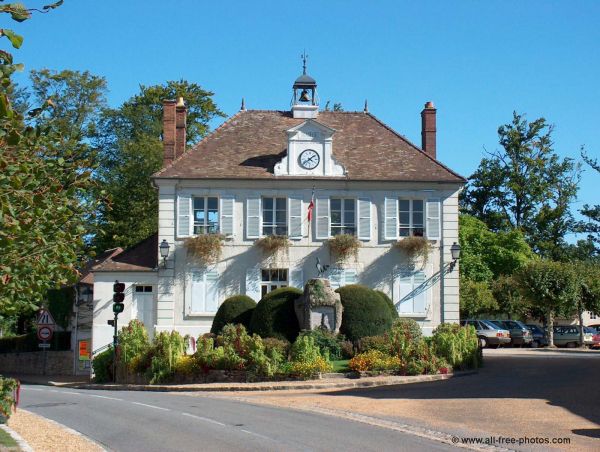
[
  {"x": 455, "y": 253},
  {"x": 164, "y": 251}
]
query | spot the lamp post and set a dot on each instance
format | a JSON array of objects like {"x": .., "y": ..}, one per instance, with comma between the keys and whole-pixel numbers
[
  {"x": 164, "y": 251},
  {"x": 455, "y": 253}
]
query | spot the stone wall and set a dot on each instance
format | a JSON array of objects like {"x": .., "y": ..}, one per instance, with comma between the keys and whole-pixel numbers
[{"x": 32, "y": 363}]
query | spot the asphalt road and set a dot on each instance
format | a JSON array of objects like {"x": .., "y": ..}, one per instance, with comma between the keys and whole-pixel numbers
[{"x": 151, "y": 421}]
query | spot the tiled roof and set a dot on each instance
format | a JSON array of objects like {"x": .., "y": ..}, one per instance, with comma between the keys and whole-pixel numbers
[
  {"x": 87, "y": 277},
  {"x": 142, "y": 256},
  {"x": 250, "y": 143}
]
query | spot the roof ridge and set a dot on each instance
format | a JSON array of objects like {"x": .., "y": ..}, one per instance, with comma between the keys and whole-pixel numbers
[
  {"x": 210, "y": 134},
  {"x": 402, "y": 137}
]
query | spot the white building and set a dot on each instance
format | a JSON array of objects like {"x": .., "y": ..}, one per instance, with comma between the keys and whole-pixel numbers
[{"x": 256, "y": 175}]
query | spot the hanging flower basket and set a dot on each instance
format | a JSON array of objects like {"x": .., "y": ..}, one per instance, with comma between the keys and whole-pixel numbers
[
  {"x": 414, "y": 247},
  {"x": 206, "y": 248},
  {"x": 344, "y": 246},
  {"x": 273, "y": 244}
]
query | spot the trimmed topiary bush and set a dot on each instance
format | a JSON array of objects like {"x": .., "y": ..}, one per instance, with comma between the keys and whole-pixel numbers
[
  {"x": 389, "y": 302},
  {"x": 274, "y": 315},
  {"x": 236, "y": 309},
  {"x": 366, "y": 313}
]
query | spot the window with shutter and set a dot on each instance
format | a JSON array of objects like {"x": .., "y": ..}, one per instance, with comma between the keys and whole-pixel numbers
[
  {"x": 227, "y": 205},
  {"x": 410, "y": 293},
  {"x": 253, "y": 283},
  {"x": 274, "y": 216},
  {"x": 364, "y": 219},
  {"x": 253, "y": 218},
  {"x": 295, "y": 219},
  {"x": 391, "y": 219},
  {"x": 342, "y": 213},
  {"x": 322, "y": 218},
  {"x": 204, "y": 292},
  {"x": 339, "y": 277},
  {"x": 410, "y": 217},
  {"x": 434, "y": 226},
  {"x": 183, "y": 215},
  {"x": 297, "y": 279}
]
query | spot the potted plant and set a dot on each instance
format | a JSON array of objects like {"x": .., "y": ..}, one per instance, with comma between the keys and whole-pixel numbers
[
  {"x": 273, "y": 244},
  {"x": 414, "y": 247},
  {"x": 206, "y": 248},
  {"x": 343, "y": 246}
]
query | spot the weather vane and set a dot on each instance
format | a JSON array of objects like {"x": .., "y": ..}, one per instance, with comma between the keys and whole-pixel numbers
[{"x": 304, "y": 57}]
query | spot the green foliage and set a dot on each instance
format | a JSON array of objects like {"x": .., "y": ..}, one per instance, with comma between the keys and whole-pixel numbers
[
  {"x": 476, "y": 298},
  {"x": 131, "y": 151},
  {"x": 344, "y": 246},
  {"x": 307, "y": 360},
  {"x": 133, "y": 344},
  {"x": 165, "y": 351},
  {"x": 485, "y": 255},
  {"x": 329, "y": 343},
  {"x": 389, "y": 302},
  {"x": 102, "y": 366},
  {"x": 8, "y": 387},
  {"x": 374, "y": 360},
  {"x": 274, "y": 315},
  {"x": 365, "y": 312},
  {"x": 525, "y": 186},
  {"x": 379, "y": 343},
  {"x": 591, "y": 224},
  {"x": 457, "y": 345},
  {"x": 277, "y": 346},
  {"x": 236, "y": 309},
  {"x": 61, "y": 341},
  {"x": 509, "y": 299},
  {"x": 408, "y": 328}
]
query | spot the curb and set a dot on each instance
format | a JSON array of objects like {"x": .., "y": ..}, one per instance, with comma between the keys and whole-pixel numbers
[
  {"x": 275, "y": 386},
  {"x": 24, "y": 447}
]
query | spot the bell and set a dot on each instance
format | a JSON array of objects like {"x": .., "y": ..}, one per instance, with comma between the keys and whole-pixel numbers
[{"x": 304, "y": 96}]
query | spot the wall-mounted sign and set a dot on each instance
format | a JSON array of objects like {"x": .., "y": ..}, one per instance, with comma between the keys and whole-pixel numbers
[{"x": 84, "y": 350}]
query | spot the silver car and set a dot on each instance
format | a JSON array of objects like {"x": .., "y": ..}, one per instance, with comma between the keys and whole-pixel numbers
[{"x": 489, "y": 334}]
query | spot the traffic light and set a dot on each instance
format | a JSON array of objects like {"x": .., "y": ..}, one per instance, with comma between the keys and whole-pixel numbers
[{"x": 118, "y": 297}]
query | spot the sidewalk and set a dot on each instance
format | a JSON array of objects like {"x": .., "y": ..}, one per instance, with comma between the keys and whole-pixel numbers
[{"x": 332, "y": 382}]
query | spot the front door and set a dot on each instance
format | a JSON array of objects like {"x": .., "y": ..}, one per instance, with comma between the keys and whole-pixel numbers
[{"x": 143, "y": 307}]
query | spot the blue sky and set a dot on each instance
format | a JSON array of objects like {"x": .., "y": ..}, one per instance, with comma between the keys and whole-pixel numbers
[{"x": 478, "y": 61}]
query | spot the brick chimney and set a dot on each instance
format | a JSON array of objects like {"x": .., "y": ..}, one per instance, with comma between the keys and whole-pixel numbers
[
  {"x": 169, "y": 132},
  {"x": 180, "y": 127},
  {"x": 428, "y": 129}
]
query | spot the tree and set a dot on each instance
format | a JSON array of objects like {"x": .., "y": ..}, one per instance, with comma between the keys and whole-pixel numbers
[
  {"x": 131, "y": 151},
  {"x": 485, "y": 254},
  {"x": 42, "y": 184},
  {"x": 476, "y": 298},
  {"x": 550, "y": 286},
  {"x": 525, "y": 186},
  {"x": 591, "y": 226}
]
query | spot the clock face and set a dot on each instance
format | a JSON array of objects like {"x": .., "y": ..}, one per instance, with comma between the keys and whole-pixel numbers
[{"x": 309, "y": 159}]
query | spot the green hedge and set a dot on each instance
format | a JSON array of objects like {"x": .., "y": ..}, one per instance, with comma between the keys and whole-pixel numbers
[
  {"x": 274, "y": 315},
  {"x": 236, "y": 309},
  {"x": 61, "y": 341},
  {"x": 389, "y": 302},
  {"x": 366, "y": 313}
]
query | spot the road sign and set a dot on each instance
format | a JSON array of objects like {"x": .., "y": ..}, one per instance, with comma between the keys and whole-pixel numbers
[
  {"x": 44, "y": 345},
  {"x": 44, "y": 333},
  {"x": 45, "y": 318}
]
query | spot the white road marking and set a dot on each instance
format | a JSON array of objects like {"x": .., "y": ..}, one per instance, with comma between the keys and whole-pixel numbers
[
  {"x": 205, "y": 419},
  {"x": 104, "y": 397},
  {"x": 33, "y": 389},
  {"x": 71, "y": 392},
  {"x": 256, "y": 434},
  {"x": 151, "y": 406}
]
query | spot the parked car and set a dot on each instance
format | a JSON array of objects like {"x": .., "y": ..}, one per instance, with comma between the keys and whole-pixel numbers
[
  {"x": 538, "y": 335},
  {"x": 568, "y": 336},
  {"x": 519, "y": 333},
  {"x": 595, "y": 339},
  {"x": 489, "y": 335}
]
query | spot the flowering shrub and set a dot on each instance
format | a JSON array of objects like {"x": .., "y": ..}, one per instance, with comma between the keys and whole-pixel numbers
[
  {"x": 307, "y": 360},
  {"x": 457, "y": 345},
  {"x": 374, "y": 360},
  {"x": 206, "y": 248},
  {"x": 8, "y": 388},
  {"x": 380, "y": 343},
  {"x": 344, "y": 246}
]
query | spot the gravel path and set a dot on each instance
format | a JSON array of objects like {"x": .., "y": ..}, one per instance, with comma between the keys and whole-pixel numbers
[{"x": 44, "y": 435}]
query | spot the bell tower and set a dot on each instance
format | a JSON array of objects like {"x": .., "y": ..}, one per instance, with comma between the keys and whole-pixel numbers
[{"x": 305, "y": 103}]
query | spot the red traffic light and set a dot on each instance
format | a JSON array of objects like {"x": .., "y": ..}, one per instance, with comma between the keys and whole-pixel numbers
[{"x": 118, "y": 287}]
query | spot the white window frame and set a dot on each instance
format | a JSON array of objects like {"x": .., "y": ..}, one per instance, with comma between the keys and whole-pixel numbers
[
  {"x": 213, "y": 272},
  {"x": 340, "y": 277},
  {"x": 268, "y": 284},
  {"x": 411, "y": 212},
  {"x": 401, "y": 298},
  {"x": 342, "y": 227},
  {"x": 273, "y": 225},
  {"x": 206, "y": 224}
]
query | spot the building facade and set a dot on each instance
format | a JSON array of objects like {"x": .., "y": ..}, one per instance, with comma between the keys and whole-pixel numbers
[{"x": 306, "y": 174}]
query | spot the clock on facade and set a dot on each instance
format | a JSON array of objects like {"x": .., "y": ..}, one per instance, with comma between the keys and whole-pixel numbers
[{"x": 309, "y": 159}]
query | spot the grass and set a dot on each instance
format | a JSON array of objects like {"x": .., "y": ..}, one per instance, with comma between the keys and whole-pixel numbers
[
  {"x": 341, "y": 365},
  {"x": 7, "y": 441}
]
